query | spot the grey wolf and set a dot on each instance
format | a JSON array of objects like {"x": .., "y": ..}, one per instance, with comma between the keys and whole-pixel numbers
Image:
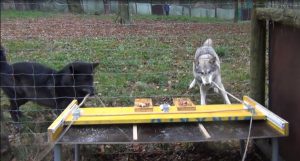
[
  {"x": 207, "y": 71},
  {"x": 28, "y": 81}
]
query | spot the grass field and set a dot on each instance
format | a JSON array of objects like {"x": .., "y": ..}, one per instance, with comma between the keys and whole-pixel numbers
[{"x": 151, "y": 58}]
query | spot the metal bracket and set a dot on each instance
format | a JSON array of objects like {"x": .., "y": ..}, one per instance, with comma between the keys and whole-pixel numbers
[
  {"x": 165, "y": 107},
  {"x": 76, "y": 114},
  {"x": 249, "y": 108}
]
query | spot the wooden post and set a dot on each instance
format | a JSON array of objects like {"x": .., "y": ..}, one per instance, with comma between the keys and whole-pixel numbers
[
  {"x": 106, "y": 4},
  {"x": 190, "y": 8},
  {"x": 124, "y": 12},
  {"x": 257, "y": 58}
]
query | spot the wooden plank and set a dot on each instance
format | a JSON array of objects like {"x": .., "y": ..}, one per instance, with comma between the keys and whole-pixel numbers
[
  {"x": 53, "y": 136},
  {"x": 56, "y": 127},
  {"x": 126, "y": 115},
  {"x": 274, "y": 120},
  {"x": 134, "y": 132},
  {"x": 289, "y": 17},
  {"x": 204, "y": 131}
]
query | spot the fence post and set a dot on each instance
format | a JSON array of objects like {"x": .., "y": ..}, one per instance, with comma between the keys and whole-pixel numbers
[
  {"x": 257, "y": 58},
  {"x": 57, "y": 152},
  {"x": 275, "y": 149},
  {"x": 76, "y": 152}
]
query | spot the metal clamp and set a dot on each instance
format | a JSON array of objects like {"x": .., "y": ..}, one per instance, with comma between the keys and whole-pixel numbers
[
  {"x": 165, "y": 107},
  {"x": 76, "y": 113},
  {"x": 249, "y": 108}
]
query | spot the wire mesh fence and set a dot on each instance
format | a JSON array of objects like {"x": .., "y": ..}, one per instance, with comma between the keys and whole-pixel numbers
[{"x": 149, "y": 58}]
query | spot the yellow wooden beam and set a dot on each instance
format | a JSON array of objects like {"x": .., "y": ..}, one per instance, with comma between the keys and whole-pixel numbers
[
  {"x": 127, "y": 115},
  {"x": 55, "y": 129},
  {"x": 274, "y": 120}
]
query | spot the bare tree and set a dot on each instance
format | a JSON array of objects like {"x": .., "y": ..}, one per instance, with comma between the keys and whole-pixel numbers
[
  {"x": 236, "y": 10},
  {"x": 75, "y": 6},
  {"x": 124, "y": 16},
  {"x": 106, "y": 6},
  {"x": 20, "y": 4}
]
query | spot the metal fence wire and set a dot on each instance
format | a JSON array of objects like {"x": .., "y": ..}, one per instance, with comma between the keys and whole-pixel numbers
[{"x": 151, "y": 59}]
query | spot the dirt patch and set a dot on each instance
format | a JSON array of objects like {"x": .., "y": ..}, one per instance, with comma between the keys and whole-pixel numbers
[{"x": 70, "y": 26}]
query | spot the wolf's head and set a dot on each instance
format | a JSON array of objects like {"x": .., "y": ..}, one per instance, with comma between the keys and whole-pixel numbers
[
  {"x": 206, "y": 63},
  {"x": 205, "y": 67},
  {"x": 79, "y": 75}
]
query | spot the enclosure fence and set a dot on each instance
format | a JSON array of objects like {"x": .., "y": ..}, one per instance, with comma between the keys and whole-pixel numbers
[{"x": 147, "y": 59}]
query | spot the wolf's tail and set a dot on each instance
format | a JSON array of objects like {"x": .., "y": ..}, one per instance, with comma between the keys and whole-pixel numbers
[
  {"x": 5, "y": 68},
  {"x": 208, "y": 42}
]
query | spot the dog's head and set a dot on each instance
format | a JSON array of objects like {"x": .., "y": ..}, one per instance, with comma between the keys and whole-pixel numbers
[
  {"x": 206, "y": 63},
  {"x": 79, "y": 75}
]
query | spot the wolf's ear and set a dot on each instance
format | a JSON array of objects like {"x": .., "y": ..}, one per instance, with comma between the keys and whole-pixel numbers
[
  {"x": 208, "y": 42},
  {"x": 196, "y": 62},
  {"x": 71, "y": 69},
  {"x": 213, "y": 60},
  {"x": 95, "y": 64}
]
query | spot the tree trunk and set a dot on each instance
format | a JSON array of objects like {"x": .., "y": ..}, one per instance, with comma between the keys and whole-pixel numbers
[
  {"x": 33, "y": 4},
  {"x": 190, "y": 8},
  {"x": 124, "y": 12},
  {"x": 216, "y": 9},
  {"x": 236, "y": 10},
  {"x": 19, "y": 5},
  {"x": 75, "y": 6},
  {"x": 106, "y": 6}
]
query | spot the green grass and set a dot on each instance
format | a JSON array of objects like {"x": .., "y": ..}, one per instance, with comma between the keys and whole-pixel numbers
[
  {"x": 32, "y": 14},
  {"x": 222, "y": 51},
  {"x": 138, "y": 66},
  {"x": 159, "y": 68},
  {"x": 130, "y": 66},
  {"x": 14, "y": 14},
  {"x": 178, "y": 18},
  {"x": 124, "y": 63}
]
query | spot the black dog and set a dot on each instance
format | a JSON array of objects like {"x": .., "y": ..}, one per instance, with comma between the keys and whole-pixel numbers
[{"x": 26, "y": 81}]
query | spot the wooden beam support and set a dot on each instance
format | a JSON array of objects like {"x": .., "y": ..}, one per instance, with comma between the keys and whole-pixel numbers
[
  {"x": 289, "y": 17},
  {"x": 134, "y": 133},
  {"x": 273, "y": 120},
  {"x": 127, "y": 115},
  {"x": 204, "y": 131},
  {"x": 257, "y": 58},
  {"x": 56, "y": 128}
]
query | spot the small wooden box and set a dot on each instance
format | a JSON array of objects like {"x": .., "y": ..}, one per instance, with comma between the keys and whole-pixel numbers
[
  {"x": 143, "y": 105},
  {"x": 184, "y": 104}
]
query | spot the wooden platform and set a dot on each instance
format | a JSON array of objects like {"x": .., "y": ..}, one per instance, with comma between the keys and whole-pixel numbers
[{"x": 92, "y": 116}]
